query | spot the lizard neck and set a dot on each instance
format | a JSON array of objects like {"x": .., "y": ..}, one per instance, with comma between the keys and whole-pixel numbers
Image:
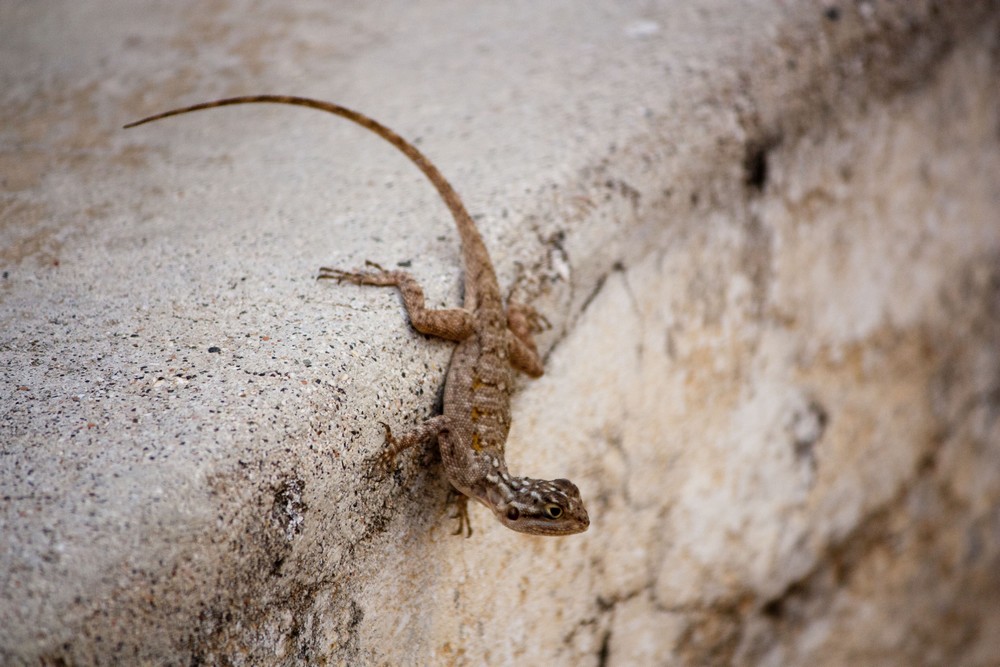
[{"x": 496, "y": 489}]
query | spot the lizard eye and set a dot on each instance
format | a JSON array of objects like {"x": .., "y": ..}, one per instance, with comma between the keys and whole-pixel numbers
[
  {"x": 513, "y": 514},
  {"x": 553, "y": 511}
]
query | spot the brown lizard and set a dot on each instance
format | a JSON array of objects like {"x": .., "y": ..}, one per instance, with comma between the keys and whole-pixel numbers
[{"x": 492, "y": 343}]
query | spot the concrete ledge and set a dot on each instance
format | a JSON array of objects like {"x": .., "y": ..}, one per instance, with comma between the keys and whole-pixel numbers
[{"x": 766, "y": 237}]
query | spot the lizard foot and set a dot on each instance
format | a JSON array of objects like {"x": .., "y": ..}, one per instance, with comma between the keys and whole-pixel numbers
[
  {"x": 394, "y": 446},
  {"x": 522, "y": 317},
  {"x": 461, "y": 503},
  {"x": 376, "y": 276},
  {"x": 384, "y": 461},
  {"x": 539, "y": 322}
]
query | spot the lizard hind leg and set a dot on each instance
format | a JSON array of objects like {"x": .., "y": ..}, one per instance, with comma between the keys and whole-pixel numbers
[
  {"x": 523, "y": 322},
  {"x": 451, "y": 324}
]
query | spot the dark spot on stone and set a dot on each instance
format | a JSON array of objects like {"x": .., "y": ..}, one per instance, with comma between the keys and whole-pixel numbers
[
  {"x": 289, "y": 509},
  {"x": 755, "y": 166},
  {"x": 807, "y": 428},
  {"x": 775, "y": 608},
  {"x": 214, "y": 350},
  {"x": 832, "y": 13},
  {"x": 604, "y": 652}
]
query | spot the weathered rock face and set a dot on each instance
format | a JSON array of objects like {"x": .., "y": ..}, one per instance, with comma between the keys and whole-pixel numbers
[
  {"x": 767, "y": 238},
  {"x": 809, "y": 425}
]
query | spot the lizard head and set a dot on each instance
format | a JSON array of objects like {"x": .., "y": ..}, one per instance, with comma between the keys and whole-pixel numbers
[{"x": 539, "y": 506}]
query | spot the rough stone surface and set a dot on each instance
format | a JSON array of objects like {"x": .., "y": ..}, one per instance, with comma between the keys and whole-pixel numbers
[{"x": 767, "y": 236}]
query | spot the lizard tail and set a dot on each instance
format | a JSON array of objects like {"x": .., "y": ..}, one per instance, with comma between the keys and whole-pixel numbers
[{"x": 472, "y": 241}]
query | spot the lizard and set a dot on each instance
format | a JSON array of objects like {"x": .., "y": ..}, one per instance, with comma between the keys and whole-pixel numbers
[{"x": 492, "y": 342}]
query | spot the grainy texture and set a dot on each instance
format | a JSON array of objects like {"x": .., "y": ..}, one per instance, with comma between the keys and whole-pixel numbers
[{"x": 764, "y": 235}]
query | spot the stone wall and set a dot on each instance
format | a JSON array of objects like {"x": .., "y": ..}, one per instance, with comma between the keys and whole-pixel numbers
[{"x": 766, "y": 236}]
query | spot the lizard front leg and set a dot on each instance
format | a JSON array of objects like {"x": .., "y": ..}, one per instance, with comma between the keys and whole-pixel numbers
[
  {"x": 426, "y": 432},
  {"x": 452, "y": 324}
]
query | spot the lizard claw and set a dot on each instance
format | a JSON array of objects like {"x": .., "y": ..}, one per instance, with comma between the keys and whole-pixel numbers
[
  {"x": 461, "y": 503},
  {"x": 384, "y": 460},
  {"x": 538, "y": 322},
  {"x": 328, "y": 273}
]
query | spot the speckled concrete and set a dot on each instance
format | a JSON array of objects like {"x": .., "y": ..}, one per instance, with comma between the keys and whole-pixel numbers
[{"x": 766, "y": 237}]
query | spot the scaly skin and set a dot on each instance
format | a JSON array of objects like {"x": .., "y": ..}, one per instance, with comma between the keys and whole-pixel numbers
[{"x": 492, "y": 343}]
